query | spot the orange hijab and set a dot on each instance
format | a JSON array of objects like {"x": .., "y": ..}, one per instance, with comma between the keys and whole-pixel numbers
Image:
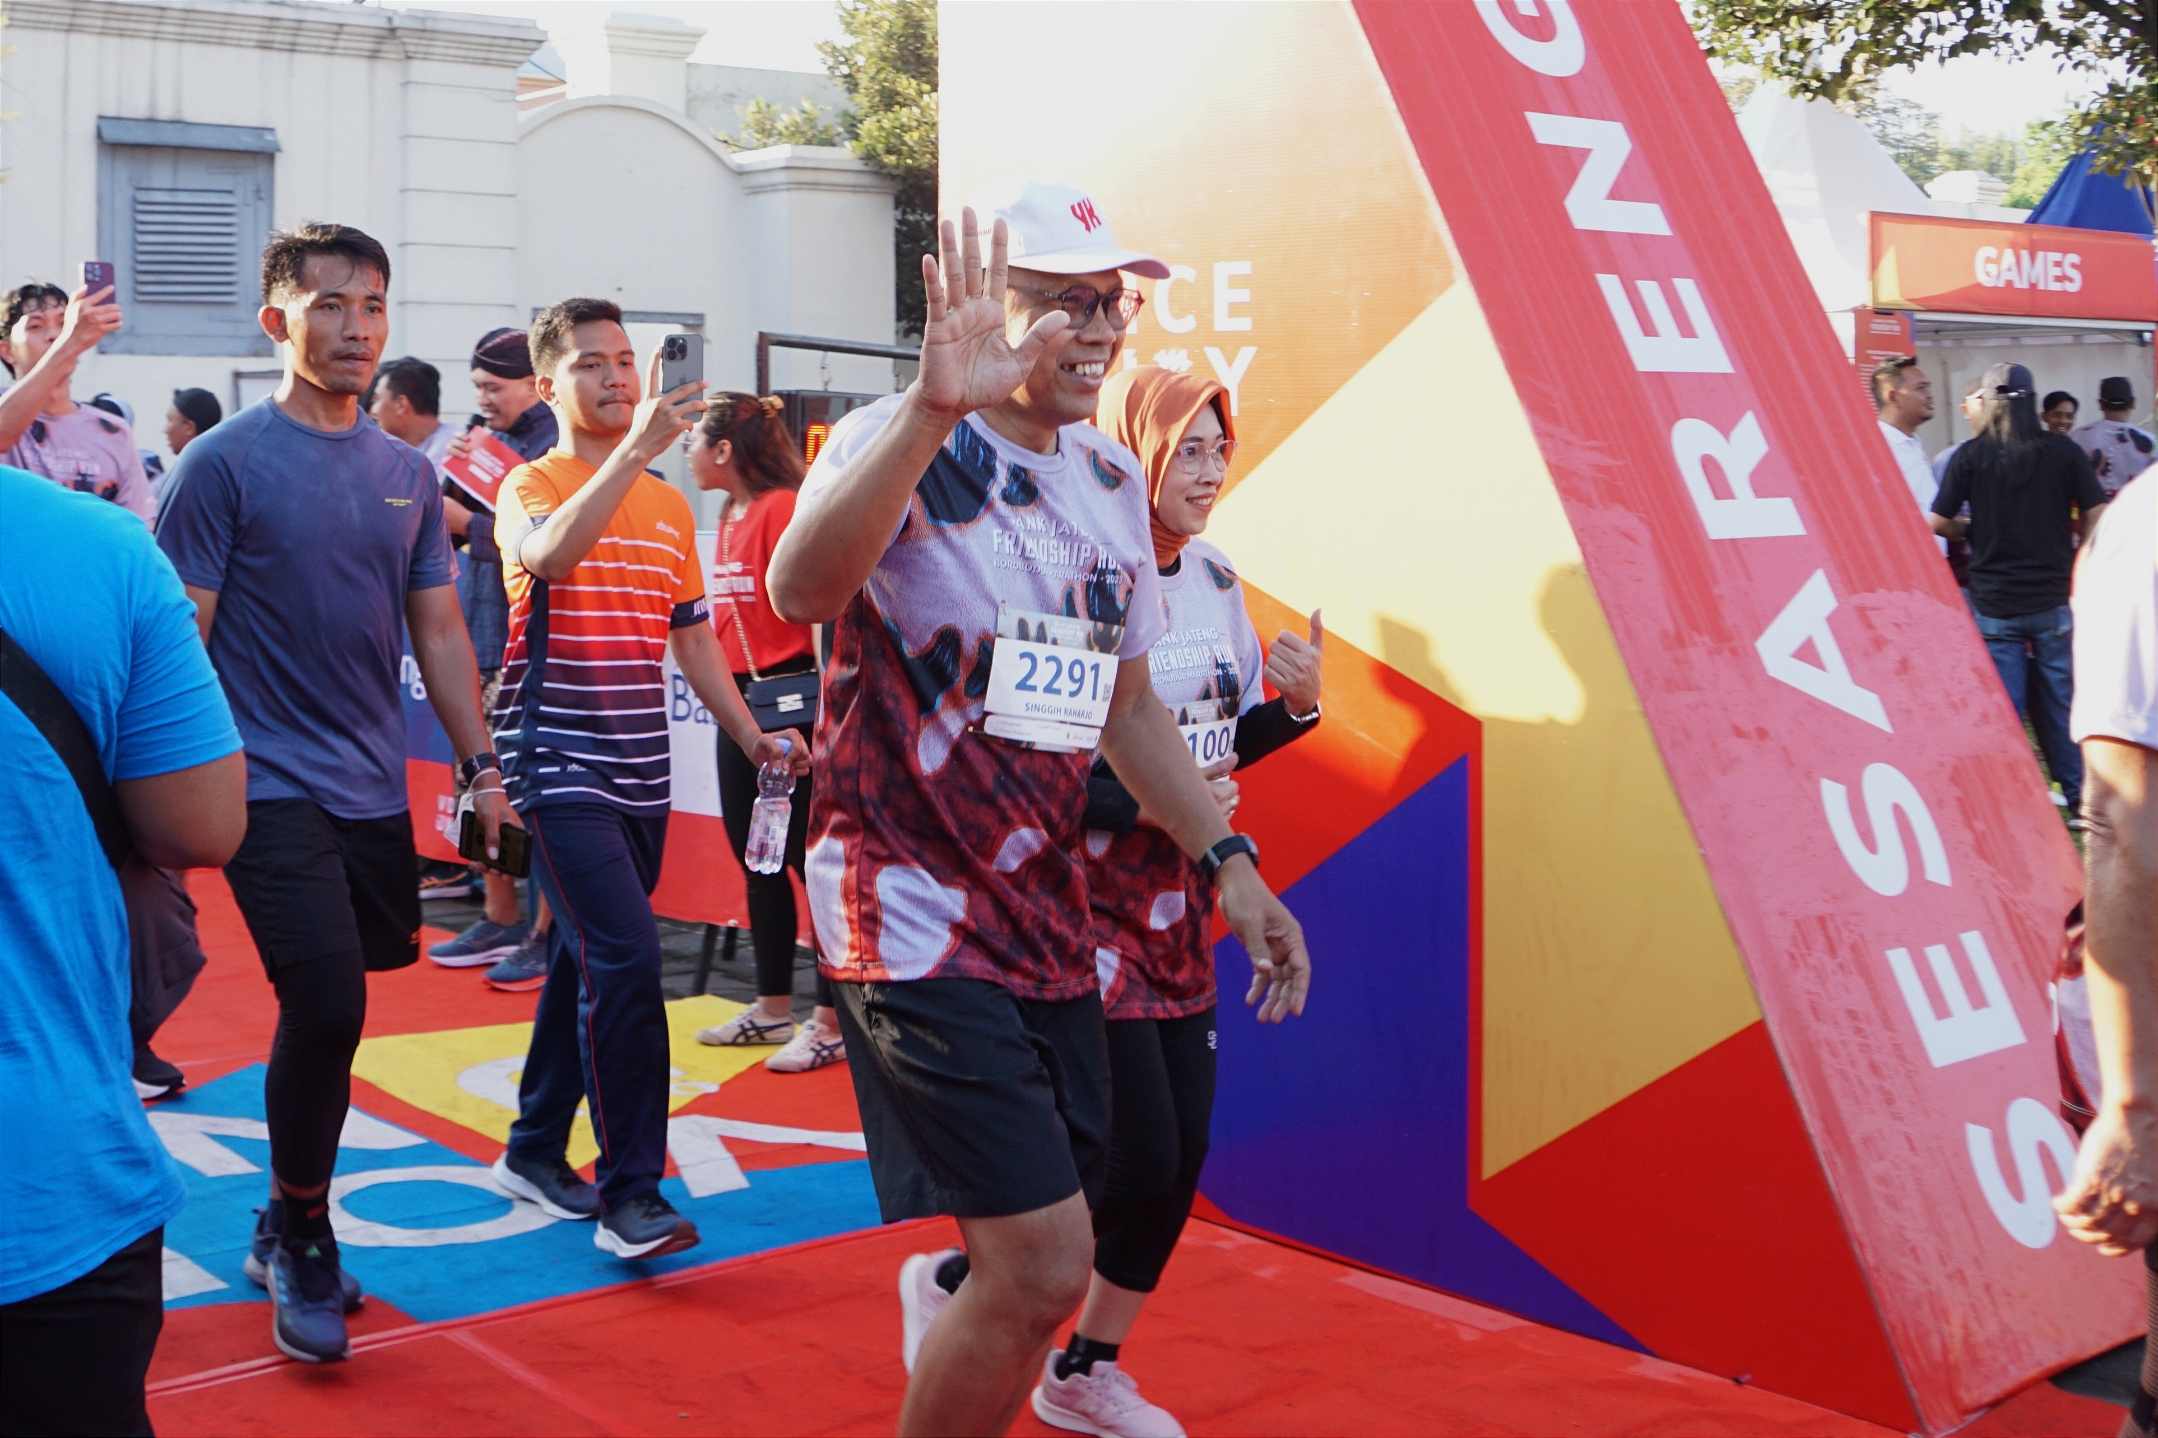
[{"x": 1147, "y": 409}]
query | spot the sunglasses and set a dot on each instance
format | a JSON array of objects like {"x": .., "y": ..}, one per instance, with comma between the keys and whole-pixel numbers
[
  {"x": 1081, "y": 301},
  {"x": 1194, "y": 454}
]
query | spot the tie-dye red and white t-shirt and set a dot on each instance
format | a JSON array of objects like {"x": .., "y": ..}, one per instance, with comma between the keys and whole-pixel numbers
[
  {"x": 1152, "y": 908},
  {"x": 936, "y": 850}
]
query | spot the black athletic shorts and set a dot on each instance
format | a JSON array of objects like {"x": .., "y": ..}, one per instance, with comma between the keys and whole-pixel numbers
[
  {"x": 977, "y": 1103},
  {"x": 311, "y": 884}
]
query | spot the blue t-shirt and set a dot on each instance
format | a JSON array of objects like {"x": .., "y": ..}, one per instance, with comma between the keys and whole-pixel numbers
[
  {"x": 86, "y": 594},
  {"x": 311, "y": 540}
]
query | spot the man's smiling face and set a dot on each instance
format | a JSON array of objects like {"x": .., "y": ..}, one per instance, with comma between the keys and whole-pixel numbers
[{"x": 1065, "y": 383}]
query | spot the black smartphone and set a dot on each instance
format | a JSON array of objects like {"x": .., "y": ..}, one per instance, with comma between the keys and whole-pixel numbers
[
  {"x": 515, "y": 859},
  {"x": 681, "y": 361},
  {"x": 98, "y": 275}
]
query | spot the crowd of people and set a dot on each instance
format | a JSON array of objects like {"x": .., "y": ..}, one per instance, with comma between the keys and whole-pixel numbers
[
  {"x": 1022, "y": 677},
  {"x": 2010, "y": 505},
  {"x": 983, "y": 637}
]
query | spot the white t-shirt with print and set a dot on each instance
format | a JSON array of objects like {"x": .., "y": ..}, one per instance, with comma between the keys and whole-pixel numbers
[
  {"x": 2116, "y": 614},
  {"x": 936, "y": 850}
]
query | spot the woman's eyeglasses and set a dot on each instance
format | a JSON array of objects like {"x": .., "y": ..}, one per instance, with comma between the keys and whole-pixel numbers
[
  {"x": 1194, "y": 454},
  {"x": 1080, "y": 302}
]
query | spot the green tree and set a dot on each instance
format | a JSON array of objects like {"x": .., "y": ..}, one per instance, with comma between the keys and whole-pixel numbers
[
  {"x": 2048, "y": 146},
  {"x": 764, "y": 124},
  {"x": 888, "y": 67},
  {"x": 1831, "y": 48}
]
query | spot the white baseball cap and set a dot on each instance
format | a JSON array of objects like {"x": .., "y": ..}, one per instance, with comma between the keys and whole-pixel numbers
[{"x": 1057, "y": 230}]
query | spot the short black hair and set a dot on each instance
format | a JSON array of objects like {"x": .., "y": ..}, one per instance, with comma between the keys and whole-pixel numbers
[
  {"x": 412, "y": 377},
  {"x": 550, "y": 334},
  {"x": 2060, "y": 396},
  {"x": 36, "y": 295},
  {"x": 285, "y": 257},
  {"x": 1888, "y": 376},
  {"x": 199, "y": 407}
]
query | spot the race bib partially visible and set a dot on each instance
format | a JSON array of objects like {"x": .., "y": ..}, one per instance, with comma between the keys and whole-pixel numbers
[
  {"x": 1210, "y": 736},
  {"x": 1051, "y": 679}
]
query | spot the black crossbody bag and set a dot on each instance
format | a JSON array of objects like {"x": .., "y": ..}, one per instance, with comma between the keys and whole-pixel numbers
[
  {"x": 164, "y": 954},
  {"x": 784, "y": 701}
]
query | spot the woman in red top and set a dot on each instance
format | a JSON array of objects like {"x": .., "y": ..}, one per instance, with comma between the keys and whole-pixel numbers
[{"x": 742, "y": 448}]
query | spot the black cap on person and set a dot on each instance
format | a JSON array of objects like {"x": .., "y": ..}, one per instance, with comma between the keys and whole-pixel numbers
[
  {"x": 2115, "y": 392},
  {"x": 199, "y": 407},
  {"x": 504, "y": 353}
]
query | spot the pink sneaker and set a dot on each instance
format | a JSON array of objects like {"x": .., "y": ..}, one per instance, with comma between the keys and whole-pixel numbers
[
  {"x": 1105, "y": 1402},
  {"x": 920, "y": 1300}
]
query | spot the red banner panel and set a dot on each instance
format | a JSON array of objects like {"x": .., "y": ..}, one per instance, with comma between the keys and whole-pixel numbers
[{"x": 1979, "y": 267}]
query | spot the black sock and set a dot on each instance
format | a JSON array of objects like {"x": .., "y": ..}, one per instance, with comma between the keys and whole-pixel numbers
[
  {"x": 1082, "y": 1353},
  {"x": 307, "y": 1218},
  {"x": 952, "y": 1272}
]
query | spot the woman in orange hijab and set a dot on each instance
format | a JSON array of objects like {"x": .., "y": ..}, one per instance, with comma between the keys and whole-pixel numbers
[{"x": 1152, "y": 909}]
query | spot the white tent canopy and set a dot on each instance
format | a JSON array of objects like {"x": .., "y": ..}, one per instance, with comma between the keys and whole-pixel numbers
[{"x": 1825, "y": 171}]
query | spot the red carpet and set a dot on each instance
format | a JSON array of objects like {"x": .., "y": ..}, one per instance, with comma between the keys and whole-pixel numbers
[{"x": 1245, "y": 1336}]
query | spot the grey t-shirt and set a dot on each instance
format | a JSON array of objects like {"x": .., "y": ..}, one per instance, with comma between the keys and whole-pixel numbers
[{"x": 312, "y": 541}]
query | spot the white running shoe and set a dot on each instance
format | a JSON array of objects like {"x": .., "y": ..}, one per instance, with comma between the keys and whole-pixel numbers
[
  {"x": 920, "y": 1300},
  {"x": 747, "y": 1028},
  {"x": 812, "y": 1047},
  {"x": 1105, "y": 1402}
]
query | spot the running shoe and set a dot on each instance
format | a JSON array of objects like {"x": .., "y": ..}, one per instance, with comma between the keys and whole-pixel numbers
[
  {"x": 749, "y": 1027},
  {"x": 525, "y": 968},
  {"x": 268, "y": 1222},
  {"x": 1105, "y": 1402},
  {"x": 812, "y": 1047},
  {"x": 920, "y": 1300},
  {"x": 154, "y": 1077},
  {"x": 550, "y": 1183},
  {"x": 486, "y": 942},
  {"x": 443, "y": 880},
  {"x": 307, "y": 1301},
  {"x": 645, "y": 1227}
]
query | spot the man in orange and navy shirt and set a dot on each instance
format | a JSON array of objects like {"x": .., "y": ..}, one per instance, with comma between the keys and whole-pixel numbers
[{"x": 599, "y": 559}]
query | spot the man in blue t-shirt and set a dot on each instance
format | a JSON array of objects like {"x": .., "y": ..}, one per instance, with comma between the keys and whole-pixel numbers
[
  {"x": 85, "y": 1187},
  {"x": 308, "y": 539}
]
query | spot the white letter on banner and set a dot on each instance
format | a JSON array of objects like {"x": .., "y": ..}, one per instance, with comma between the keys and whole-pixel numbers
[
  {"x": 1175, "y": 324},
  {"x": 1888, "y": 871},
  {"x": 2031, "y": 1127},
  {"x": 1560, "y": 56},
  {"x": 1744, "y": 515},
  {"x": 1806, "y": 618},
  {"x": 1662, "y": 349},
  {"x": 1963, "y": 1032},
  {"x": 1231, "y": 375},
  {"x": 1225, "y": 296},
  {"x": 1589, "y": 204}
]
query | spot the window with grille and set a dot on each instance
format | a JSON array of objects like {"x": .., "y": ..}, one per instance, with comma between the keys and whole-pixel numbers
[{"x": 185, "y": 225}]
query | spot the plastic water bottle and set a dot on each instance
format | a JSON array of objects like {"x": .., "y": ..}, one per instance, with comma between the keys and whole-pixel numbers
[{"x": 766, "y": 852}]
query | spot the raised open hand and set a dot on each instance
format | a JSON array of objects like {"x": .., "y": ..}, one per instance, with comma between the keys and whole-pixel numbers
[{"x": 967, "y": 363}]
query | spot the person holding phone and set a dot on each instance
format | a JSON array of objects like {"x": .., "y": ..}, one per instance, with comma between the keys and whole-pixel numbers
[
  {"x": 743, "y": 449},
  {"x": 600, "y": 559},
  {"x": 44, "y": 333}
]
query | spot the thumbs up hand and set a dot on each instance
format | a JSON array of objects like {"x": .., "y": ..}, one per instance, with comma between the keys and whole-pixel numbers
[{"x": 1292, "y": 667}]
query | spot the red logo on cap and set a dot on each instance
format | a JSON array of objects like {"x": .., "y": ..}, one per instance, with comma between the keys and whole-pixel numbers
[{"x": 1084, "y": 213}]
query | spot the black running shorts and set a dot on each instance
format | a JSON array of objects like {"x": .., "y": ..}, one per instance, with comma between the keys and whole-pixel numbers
[
  {"x": 311, "y": 884},
  {"x": 976, "y": 1103}
]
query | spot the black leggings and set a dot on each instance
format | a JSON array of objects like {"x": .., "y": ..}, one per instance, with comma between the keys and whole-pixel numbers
[
  {"x": 1161, "y": 1079},
  {"x": 321, "y": 1008},
  {"x": 772, "y": 926}
]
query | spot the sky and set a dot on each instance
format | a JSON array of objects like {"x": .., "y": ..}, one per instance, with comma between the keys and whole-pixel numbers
[{"x": 1980, "y": 93}]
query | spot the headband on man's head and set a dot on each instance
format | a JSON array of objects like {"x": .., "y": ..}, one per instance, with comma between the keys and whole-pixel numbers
[{"x": 504, "y": 353}]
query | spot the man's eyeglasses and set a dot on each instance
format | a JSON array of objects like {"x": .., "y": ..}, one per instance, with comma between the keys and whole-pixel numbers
[
  {"x": 1194, "y": 454},
  {"x": 1080, "y": 302}
]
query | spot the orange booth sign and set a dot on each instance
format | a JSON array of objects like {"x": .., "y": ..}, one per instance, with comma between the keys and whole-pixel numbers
[{"x": 1979, "y": 267}]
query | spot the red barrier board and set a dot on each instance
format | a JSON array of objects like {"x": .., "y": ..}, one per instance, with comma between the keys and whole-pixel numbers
[
  {"x": 1861, "y": 792},
  {"x": 1981, "y": 267}
]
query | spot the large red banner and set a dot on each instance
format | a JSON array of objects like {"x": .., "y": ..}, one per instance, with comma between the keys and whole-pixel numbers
[{"x": 1866, "y": 803}]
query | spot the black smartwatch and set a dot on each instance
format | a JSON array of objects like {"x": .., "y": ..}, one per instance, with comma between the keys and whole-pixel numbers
[
  {"x": 1211, "y": 861},
  {"x": 477, "y": 765}
]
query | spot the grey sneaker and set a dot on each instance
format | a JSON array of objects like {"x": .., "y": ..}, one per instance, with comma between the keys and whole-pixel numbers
[
  {"x": 524, "y": 969},
  {"x": 269, "y": 1222},
  {"x": 646, "y": 1227},
  {"x": 486, "y": 942},
  {"x": 552, "y": 1184}
]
